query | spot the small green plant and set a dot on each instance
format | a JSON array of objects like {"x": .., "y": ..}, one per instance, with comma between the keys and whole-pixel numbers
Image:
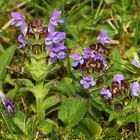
[{"x": 70, "y": 78}]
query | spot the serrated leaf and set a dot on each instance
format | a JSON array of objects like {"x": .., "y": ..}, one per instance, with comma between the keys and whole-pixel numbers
[{"x": 72, "y": 110}]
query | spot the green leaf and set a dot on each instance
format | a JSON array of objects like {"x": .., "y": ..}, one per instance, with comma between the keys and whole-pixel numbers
[
  {"x": 113, "y": 115},
  {"x": 93, "y": 127},
  {"x": 66, "y": 87},
  {"x": 9, "y": 80},
  {"x": 137, "y": 29},
  {"x": 12, "y": 93},
  {"x": 125, "y": 4},
  {"x": 51, "y": 101},
  {"x": 47, "y": 87},
  {"x": 135, "y": 117},
  {"x": 48, "y": 126},
  {"x": 29, "y": 85},
  {"x": 1, "y": 49},
  {"x": 5, "y": 59},
  {"x": 72, "y": 110},
  {"x": 20, "y": 120},
  {"x": 116, "y": 58},
  {"x": 137, "y": 3},
  {"x": 99, "y": 105}
]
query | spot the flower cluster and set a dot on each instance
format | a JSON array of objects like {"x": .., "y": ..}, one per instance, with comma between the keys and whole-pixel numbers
[
  {"x": 53, "y": 43},
  {"x": 92, "y": 59},
  {"x": 7, "y": 103},
  {"x": 118, "y": 88},
  {"x": 119, "y": 91},
  {"x": 40, "y": 38},
  {"x": 54, "y": 39}
]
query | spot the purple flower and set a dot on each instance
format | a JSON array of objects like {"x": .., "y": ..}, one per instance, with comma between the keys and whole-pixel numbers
[
  {"x": 7, "y": 103},
  {"x": 54, "y": 38},
  {"x": 135, "y": 88},
  {"x": 77, "y": 60},
  {"x": 136, "y": 61},
  {"x": 21, "y": 41},
  {"x": 57, "y": 52},
  {"x": 118, "y": 78},
  {"x": 54, "y": 56},
  {"x": 103, "y": 37},
  {"x": 59, "y": 47},
  {"x": 60, "y": 55},
  {"x": 9, "y": 106},
  {"x": 106, "y": 93},
  {"x": 87, "y": 53},
  {"x": 19, "y": 21},
  {"x": 100, "y": 57},
  {"x": 87, "y": 82},
  {"x": 54, "y": 20}
]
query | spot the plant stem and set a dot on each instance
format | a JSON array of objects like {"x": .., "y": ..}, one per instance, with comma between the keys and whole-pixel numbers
[
  {"x": 40, "y": 110},
  {"x": 98, "y": 10},
  {"x": 39, "y": 95},
  {"x": 6, "y": 121}
]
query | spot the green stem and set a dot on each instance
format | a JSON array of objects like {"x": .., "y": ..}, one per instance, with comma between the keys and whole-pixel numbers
[
  {"x": 39, "y": 95},
  {"x": 91, "y": 8},
  {"x": 6, "y": 121},
  {"x": 40, "y": 110},
  {"x": 99, "y": 7}
]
